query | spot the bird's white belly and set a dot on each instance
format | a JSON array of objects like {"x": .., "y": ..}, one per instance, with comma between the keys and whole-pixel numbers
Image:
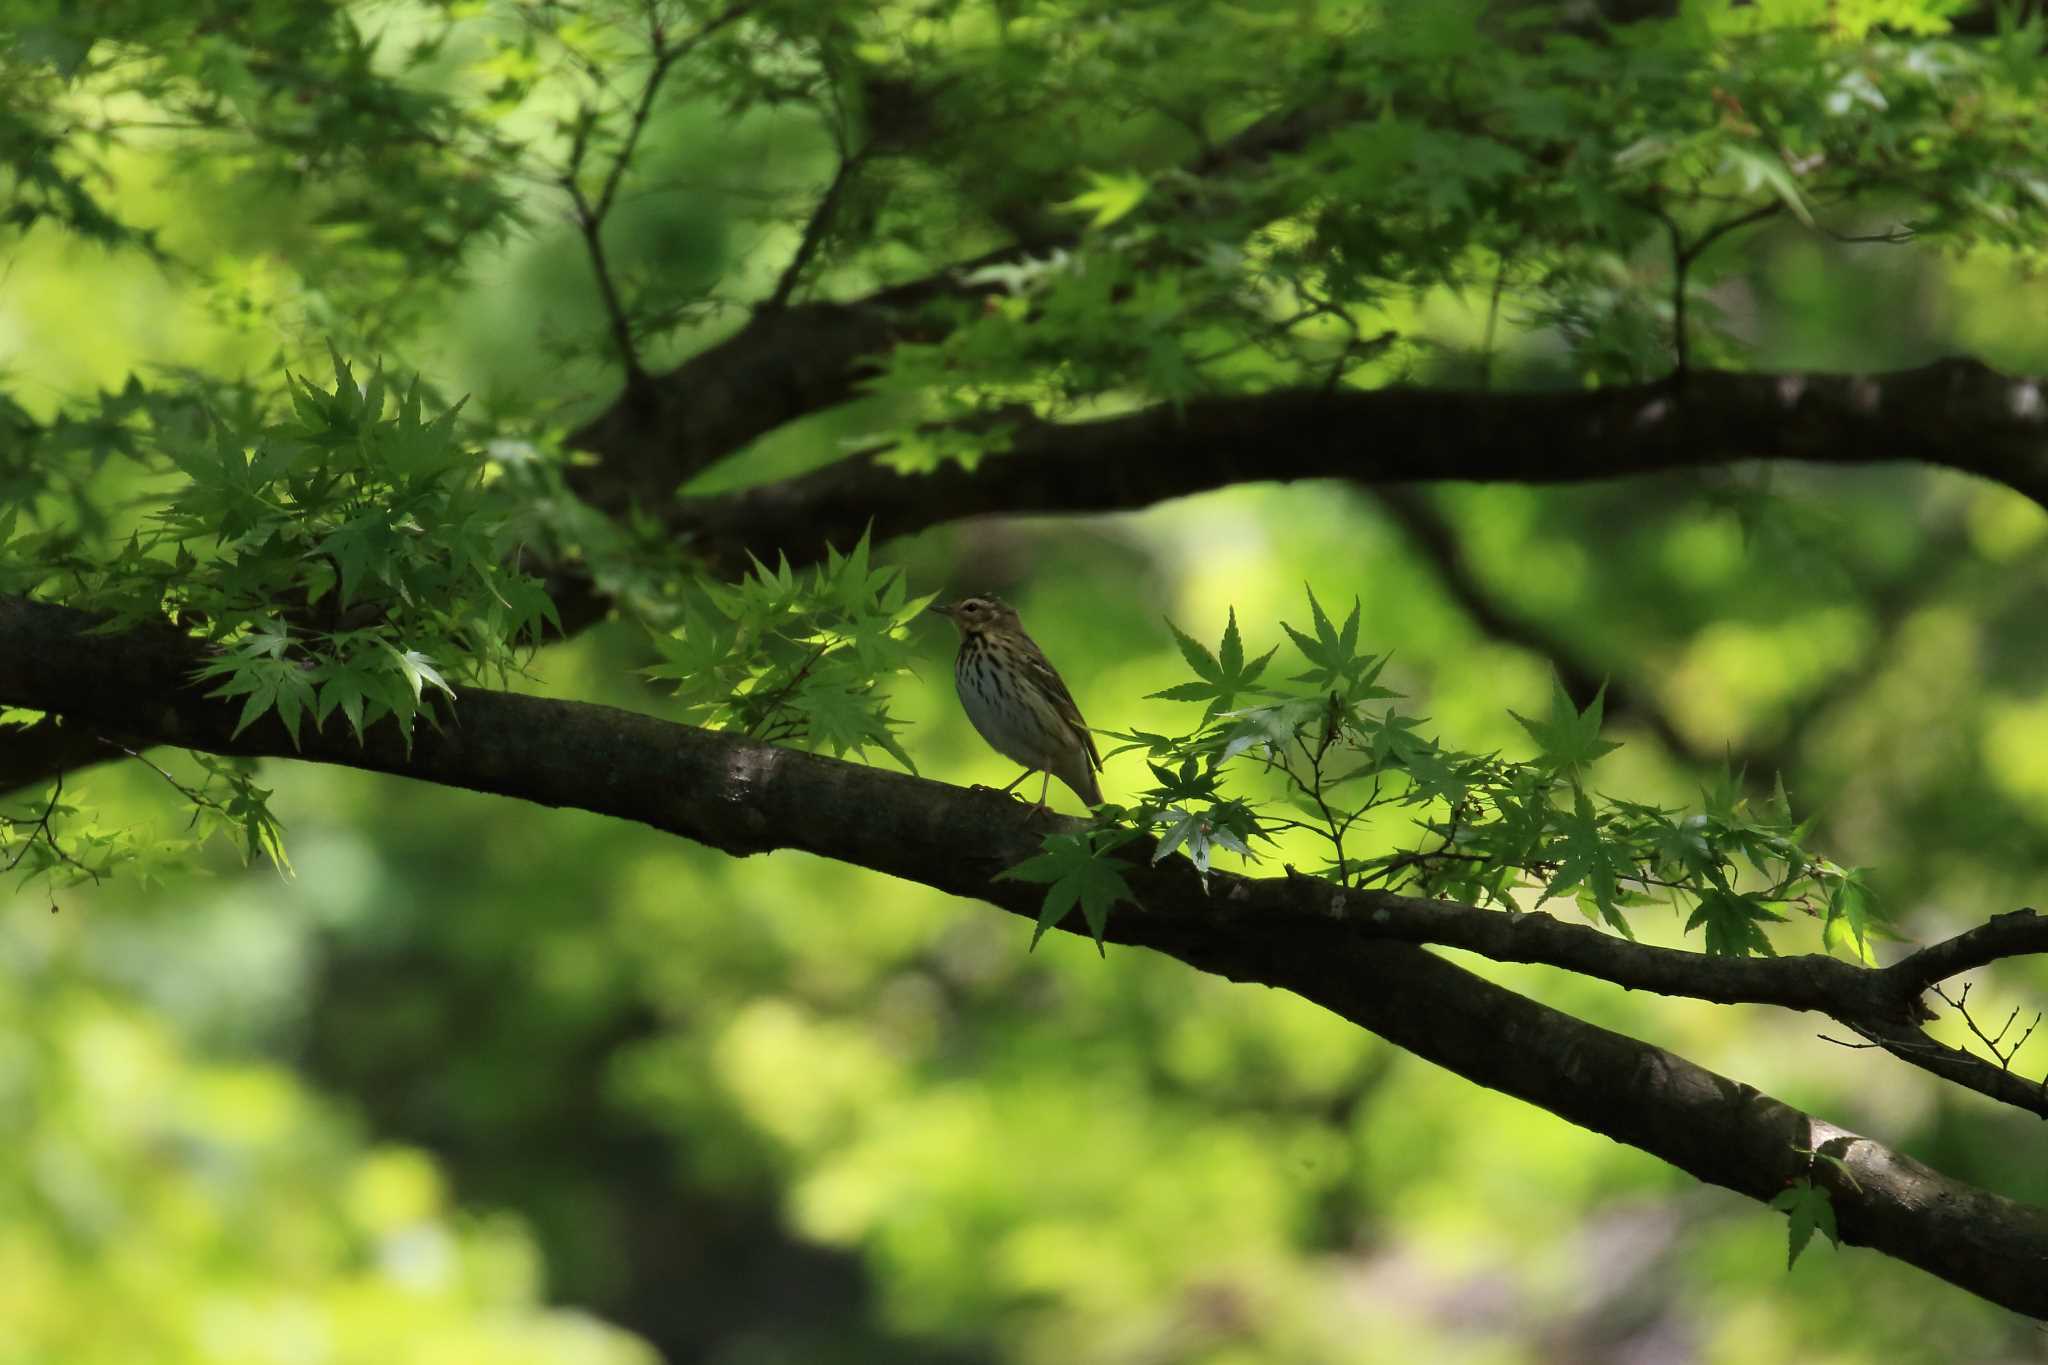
[{"x": 1019, "y": 727}]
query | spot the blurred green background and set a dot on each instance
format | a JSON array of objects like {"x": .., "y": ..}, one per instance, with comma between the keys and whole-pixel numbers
[{"x": 486, "y": 1082}]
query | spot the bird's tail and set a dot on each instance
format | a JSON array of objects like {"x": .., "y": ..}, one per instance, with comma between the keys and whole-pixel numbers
[{"x": 1080, "y": 777}]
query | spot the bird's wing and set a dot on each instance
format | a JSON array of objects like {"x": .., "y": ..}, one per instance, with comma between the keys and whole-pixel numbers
[{"x": 1070, "y": 711}]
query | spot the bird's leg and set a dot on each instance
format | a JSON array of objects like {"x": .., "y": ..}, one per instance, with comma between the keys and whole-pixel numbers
[
  {"x": 1014, "y": 781},
  {"x": 1041, "y": 792}
]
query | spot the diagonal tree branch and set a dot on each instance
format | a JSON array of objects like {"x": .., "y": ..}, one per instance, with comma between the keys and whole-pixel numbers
[
  {"x": 1882, "y": 1006},
  {"x": 744, "y": 797},
  {"x": 815, "y": 232},
  {"x": 1437, "y": 542}
]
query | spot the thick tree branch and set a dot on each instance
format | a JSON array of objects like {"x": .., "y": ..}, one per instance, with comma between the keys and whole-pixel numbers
[
  {"x": 2010, "y": 935},
  {"x": 1955, "y": 413},
  {"x": 39, "y": 752},
  {"x": 745, "y": 797}
]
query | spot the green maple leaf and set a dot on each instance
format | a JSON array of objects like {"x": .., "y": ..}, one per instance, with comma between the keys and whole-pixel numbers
[
  {"x": 1075, "y": 872},
  {"x": 847, "y": 718},
  {"x": 1338, "y": 666},
  {"x": 1108, "y": 197},
  {"x": 1220, "y": 677},
  {"x": 1806, "y": 1207},
  {"x": 1592, "y": 865},
  {"x": 1853, "y": 915},
  {"x": 1570, "y": 739},
  {"x": 419, "y": 672},
  {"x": 346, "y": 687},
  {"x": 1734, "y": 923}
]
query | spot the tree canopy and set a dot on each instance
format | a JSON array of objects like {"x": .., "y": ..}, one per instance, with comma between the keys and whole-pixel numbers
[{"x": 1533, "y": 498}]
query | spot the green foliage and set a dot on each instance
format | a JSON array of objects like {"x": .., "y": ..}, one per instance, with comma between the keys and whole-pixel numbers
[
  {"x": 1807, "y": 1208},
  {"x": 1221, "y": 677},
  {"x": 30, "y": 843},
  {"x": 352, "y": 558},
  {"x": 1325, "y": 757},
  {"x": 340, "y": 559},
  {"x": 388, "y": 178},
  {"x": 252, "y": 1207},
  {"x": 1076, "y": 869},
  {"x": 800, "y": 658},
  {"x": 61, "y": 840}
]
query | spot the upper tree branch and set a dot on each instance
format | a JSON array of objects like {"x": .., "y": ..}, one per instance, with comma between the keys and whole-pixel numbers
[
  {"x": 745, "y": 797},
  {"x": 2001, "y": 936},
  {"x": 1957, "y": 413},
  {"x": 788, "y": 362}
]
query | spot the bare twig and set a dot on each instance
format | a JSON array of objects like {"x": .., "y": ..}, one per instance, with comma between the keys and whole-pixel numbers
[
  {"x": 1960, "y": 1003},
  {"x": 816, "y": 230},
  {"x": 590, "y": 223},
  {"x": 1500, "y": 280},
  {"x": 42, "y": 828},
  {"x": 42, "y": 831},
  {"x": 591, "y": 214},
  {"x": 198, "y": 798},
  {"x": 1843, "y": 1042},
  {"x": 1683, "y": 255}
]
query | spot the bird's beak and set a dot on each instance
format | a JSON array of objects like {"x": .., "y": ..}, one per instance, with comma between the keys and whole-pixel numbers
[{"x": 940, "y": 609}]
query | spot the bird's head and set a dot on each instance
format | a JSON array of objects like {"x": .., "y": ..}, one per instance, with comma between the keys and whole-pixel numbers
[{"x": 974, "y": 615}]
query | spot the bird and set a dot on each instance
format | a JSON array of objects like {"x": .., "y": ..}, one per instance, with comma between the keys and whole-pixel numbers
[{"x": 1016, "y": 700}]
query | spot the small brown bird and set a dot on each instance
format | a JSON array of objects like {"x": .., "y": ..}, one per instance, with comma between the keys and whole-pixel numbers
[{"x": 1017, "y": 701}]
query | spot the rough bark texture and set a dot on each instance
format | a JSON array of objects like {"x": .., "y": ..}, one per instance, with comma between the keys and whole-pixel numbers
[
  {"x": 745, "y": 797},
  {"x": 1956, "y": 413}
]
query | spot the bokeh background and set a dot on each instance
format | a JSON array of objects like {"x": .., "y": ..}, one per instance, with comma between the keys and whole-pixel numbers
[{"x": 486, "y": 1082}]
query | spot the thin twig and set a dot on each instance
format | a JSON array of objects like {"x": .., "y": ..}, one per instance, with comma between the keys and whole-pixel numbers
[
  {"x": 1856, "y": 1047},
  {"x": 591, "y": 215},
  {"x": 815, "y": 231},
  {"x": 1960, "y": 1003},
  {"x": 199, "y": 799},
  {"x": 1500, "y": 279},
  {"x": 42, "y": 831},
  {"x": 42, "y": 828},
  {"x": 590, "y": 223},
  {"x": 1683, "y": 254},
  {"x": 783, "y": 693}
]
